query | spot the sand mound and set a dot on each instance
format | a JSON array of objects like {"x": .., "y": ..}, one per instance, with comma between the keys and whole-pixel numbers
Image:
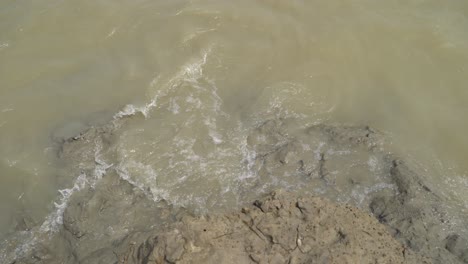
[{"x": 282, "y": 228}]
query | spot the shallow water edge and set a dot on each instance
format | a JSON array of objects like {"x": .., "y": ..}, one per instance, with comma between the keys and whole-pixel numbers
[{"x": 85, "y": 227}]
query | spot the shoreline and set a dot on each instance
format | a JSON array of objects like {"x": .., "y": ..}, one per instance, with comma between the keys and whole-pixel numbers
[{"x": 409, "y": 208}]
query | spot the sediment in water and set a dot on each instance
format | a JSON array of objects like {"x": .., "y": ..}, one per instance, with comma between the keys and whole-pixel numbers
[{"x": 112, "y": 220}]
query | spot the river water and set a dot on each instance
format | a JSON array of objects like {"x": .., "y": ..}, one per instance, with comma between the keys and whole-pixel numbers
[{"x": 199, "y": 74}]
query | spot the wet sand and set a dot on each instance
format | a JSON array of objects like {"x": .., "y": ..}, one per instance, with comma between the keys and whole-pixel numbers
[{"x": 110, "y": 220}]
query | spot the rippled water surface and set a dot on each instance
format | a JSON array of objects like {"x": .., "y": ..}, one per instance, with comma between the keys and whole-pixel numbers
[{"x": 198, "y": 75}]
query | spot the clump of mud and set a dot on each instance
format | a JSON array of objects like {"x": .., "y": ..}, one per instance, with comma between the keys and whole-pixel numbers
[
  {"x": 281, "y": 228},
  {"x": 111, "y": 220}
]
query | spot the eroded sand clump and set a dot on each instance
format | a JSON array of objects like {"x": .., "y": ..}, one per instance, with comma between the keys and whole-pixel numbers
[{"x": 281, "y": 228}]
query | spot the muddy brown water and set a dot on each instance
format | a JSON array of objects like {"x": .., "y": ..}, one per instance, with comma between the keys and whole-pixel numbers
[{"x": 198, "y": 75}]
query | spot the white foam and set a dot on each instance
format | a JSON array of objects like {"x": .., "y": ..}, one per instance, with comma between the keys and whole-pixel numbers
[
  {"x": 154, "y": 193},
  {"x": 173, "y": 106},
  {"x": 248, "y": 158},
  {"x": 196, "y": 102},
  {"x": 190, "y": 72},
  {"x": 131, "y": 110},
  {"x": 112, "y": 32},
  {"x": 145, "y": 181},
  {"x": 7, "y": 110},
  {"x": 195, "y": 34},
  {"x": 55, "y": 219},
  {"x": 194, "y": 71},
  {"x": 215, "y": 136},
  {"x": 373, "y": 164},
  {"x": 101, "y": 166},
  {"x": 4, "y": 45},
  {"x": 306, "y": 147},
  {"x": 125, "y": 175},
  {"x": 212, "y": 131},
  {"x": 217, "y": 101},
  {"x": 22, "y": 245},
  {"x": 11, "y": 163}
]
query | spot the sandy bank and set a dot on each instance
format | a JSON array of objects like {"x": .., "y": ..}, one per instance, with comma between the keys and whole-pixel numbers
[{"x": 281, "y": 228}]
